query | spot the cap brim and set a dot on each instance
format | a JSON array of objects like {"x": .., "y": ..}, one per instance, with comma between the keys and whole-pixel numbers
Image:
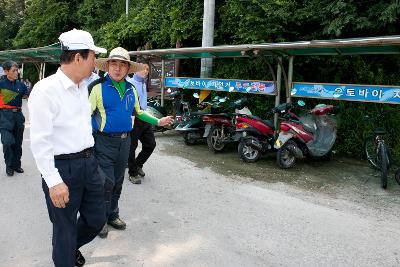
[
  {"x": 98, "y": 50},
  {"x": 101, "y": 64}
]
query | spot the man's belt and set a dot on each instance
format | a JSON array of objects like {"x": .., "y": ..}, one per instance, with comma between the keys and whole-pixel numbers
[
  {"x": 114, "y": 135},
  {"x": 16, "y": 109},
  {"x": 86, "y": 153}
]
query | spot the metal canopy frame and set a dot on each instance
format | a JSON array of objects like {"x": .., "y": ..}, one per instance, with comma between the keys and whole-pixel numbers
[
  {"x": 46, "y": 54},
  {"x": 335, "y": 47},
  {"x": 37, "y": 56}
]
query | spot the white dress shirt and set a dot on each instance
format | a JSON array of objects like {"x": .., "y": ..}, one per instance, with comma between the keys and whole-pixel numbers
[{"x": 60, "y": 119}]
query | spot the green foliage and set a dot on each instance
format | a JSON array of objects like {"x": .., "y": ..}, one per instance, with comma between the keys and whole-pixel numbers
[
  {"x": 43, "y": 23},
  {"x": 11, "y": 18}
]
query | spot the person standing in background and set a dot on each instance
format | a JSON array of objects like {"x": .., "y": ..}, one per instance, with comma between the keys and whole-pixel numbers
[
  {"x": 11, "y": 118},
  {"x": 142, "y": 131}
]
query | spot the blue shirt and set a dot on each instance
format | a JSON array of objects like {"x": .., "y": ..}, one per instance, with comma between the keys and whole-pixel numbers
[{"x": 140, "y": 85}]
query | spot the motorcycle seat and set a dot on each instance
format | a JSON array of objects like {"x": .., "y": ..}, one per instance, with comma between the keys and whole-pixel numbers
[
  {"x": 198, "y": 113},
  {"x": 269, "y": 123}
]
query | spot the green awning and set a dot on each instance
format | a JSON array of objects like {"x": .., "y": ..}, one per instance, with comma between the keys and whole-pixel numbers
[{"x": 46, "y": 54}]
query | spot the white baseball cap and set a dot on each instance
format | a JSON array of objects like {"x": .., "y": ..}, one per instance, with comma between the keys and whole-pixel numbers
[{"x": 77, "y": 40}]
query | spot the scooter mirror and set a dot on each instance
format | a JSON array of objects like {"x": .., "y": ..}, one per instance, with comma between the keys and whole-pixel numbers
[
  {"x": 301, "y": 103},
  {"x": 196, "y": 95}
]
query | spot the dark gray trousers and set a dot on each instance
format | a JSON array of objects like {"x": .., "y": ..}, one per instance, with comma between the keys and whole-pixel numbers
[
  {"x": 86, "y": 196},
  {"x": 12, "y": 134},
  {"x": 112, "y": 155}
]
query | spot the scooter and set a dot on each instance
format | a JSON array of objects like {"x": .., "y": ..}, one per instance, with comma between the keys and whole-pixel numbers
[
  {"x": 155, "y": 109},
  {"x": 257, "y": 137},
  {"x": 180, "y": 108},
  {"x": 313, "y": 134},
  {"x": 220, "y": 128},
  {"x": 191, "y": 124}
]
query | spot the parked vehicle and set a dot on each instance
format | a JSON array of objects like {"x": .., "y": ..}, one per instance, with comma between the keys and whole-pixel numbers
[
  {"x": 377, "y": 150},
  {"x": 220, "y": 128},
  {"x": 191, "y": 124},
  {"x": 257, "y": 137},
  {"x": 313, "y": 134},
  {"x": 155, "y": 109},
  {"x": 180, "y": 108}
]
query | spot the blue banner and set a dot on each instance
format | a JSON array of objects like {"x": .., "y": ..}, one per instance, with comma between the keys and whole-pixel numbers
[
  {"x": 363, "y": 93},
  {"x": 243, "y": 86}
]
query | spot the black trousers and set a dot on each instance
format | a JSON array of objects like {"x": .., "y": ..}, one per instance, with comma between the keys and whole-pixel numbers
[
  {"x": 112, "y": 154},
  {"x": 86, "y": 196},
  {"x": 12, "y": 134},
  {"x": 143, "y": 132}
]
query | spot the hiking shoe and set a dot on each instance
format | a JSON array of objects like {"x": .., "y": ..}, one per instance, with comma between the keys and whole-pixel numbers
[
  {"x": 79, "y": 259},
  {"x": 104, "y": 231},
  {"x": 118, "y": 224},
  {"x": 140, "y": 172},
  {"x": 10, "y": 172},
  {"x": 135, "y": 179}
]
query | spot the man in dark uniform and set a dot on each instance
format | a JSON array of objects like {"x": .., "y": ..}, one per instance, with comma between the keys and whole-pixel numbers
[{"x": 11, "y": 117}]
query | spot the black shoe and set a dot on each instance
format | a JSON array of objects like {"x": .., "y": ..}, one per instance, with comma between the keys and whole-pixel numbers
[
  {"x": 140, "y": 172},
  {"x": 79, "y": 259},
  {"x": 104, "y": 231},
  {"x": 135, "y": 179},
  {"x": 19, "y": 170},
  {"x": 118, "y": 224},
  {"x": 10, "y": 172}
]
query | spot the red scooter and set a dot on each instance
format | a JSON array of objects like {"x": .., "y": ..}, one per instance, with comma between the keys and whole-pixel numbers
[
  {"x": 313, "y": 134},
  {"x": 257, "y": 137},
  {"x": 220, "y": 128}
]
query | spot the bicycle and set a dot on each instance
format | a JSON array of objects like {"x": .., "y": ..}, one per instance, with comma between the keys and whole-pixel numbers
[{"x": 376, "y": 150}]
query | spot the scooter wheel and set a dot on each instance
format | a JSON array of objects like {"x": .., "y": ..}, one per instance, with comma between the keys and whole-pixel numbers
[
  {"x": 214, "y": 139},
  {"x": 189, "y": 140},
  {"x": 247, "y": 152},
  {"x": 285, "y": 157}
]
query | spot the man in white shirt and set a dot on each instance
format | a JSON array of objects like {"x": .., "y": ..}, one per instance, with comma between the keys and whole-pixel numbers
[{"x": 62, "y": 145}]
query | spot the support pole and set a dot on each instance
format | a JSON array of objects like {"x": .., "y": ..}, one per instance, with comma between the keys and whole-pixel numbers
[
  {"x": 22, "y": 71},
  {"x": 44, "y": 70},
  {"x": 290, "y": 79},
  {"x": 126, "y": 7},
  {"x": 162, "y": 83},
  {"x": 208, "y": 36},
  {"x": 40, "y": 71},
  {"x": 278, "y": 89}
]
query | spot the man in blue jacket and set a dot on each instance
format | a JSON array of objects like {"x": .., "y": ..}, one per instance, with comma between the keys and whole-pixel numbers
[
  {"x": 114, "y": 101},
  {"x": 11, "y": 117}
]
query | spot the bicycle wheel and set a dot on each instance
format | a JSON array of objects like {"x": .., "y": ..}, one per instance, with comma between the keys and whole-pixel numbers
[
  {"x": 371, "y": 151},
  {"x": 383, "y": 161},
  {"x": 397, "y": 176}
]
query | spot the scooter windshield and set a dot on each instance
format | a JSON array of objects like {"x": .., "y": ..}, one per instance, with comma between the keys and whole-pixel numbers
[{"x": 324, "y": 136}]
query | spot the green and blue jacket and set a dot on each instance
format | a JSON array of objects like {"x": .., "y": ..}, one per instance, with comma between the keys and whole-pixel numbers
[{"x": 114, "y": 111}]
